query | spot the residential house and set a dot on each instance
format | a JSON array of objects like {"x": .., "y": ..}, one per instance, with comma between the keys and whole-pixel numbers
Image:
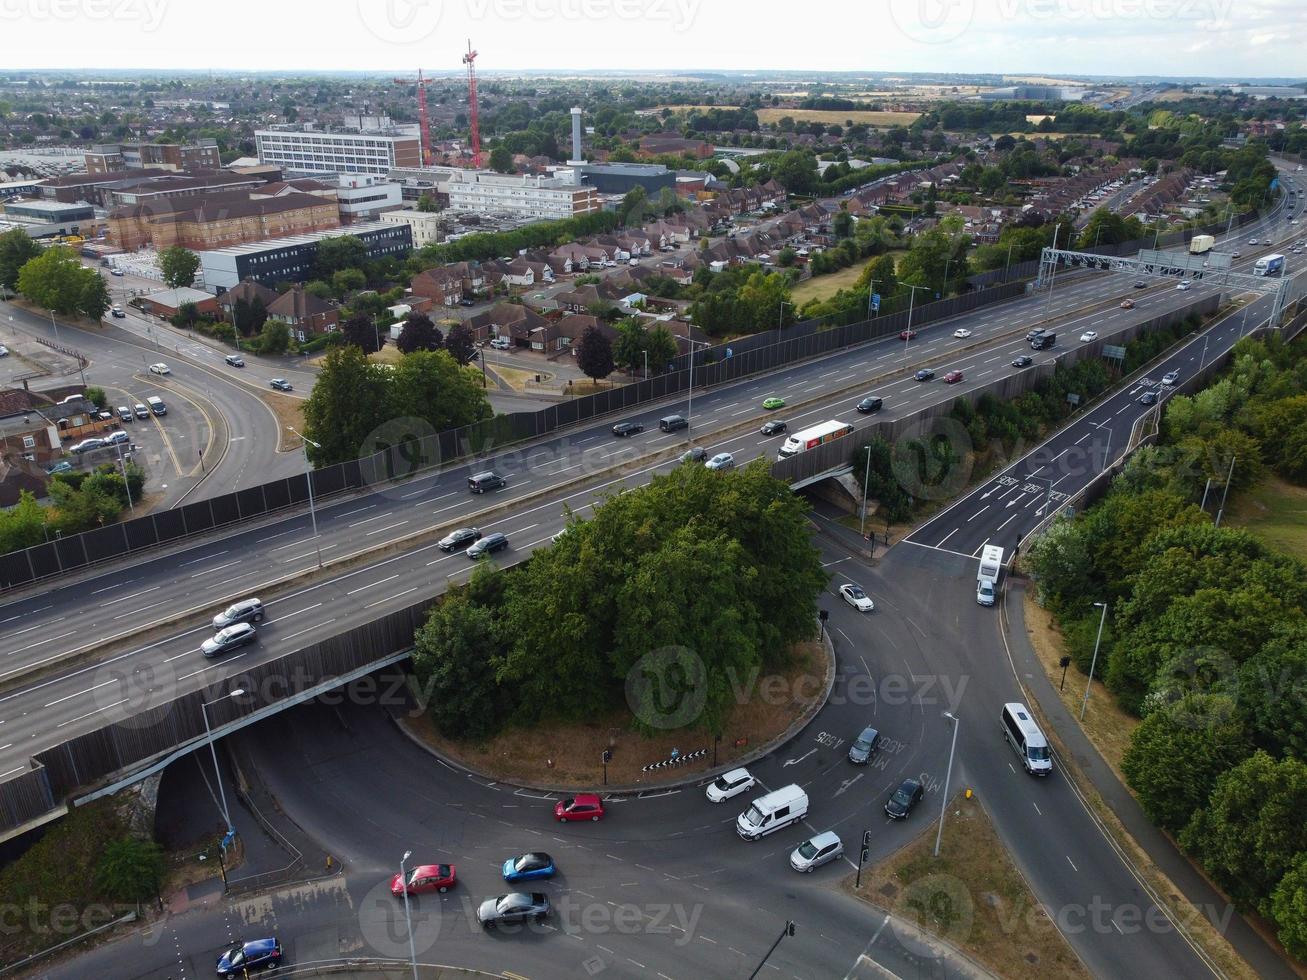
[
  {"x": 305, "y": 314},
  {"x": 247, "y": 290},
  {"x": 441, "y": 285}
]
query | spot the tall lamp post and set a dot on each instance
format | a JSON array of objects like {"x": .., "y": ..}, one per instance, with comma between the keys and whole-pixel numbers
[
  {"x": 305, "y": 441},
  {"x": 865, "y": 480},
  {"x": 948, "y": 774},
  {"x": 907, "y": 334},
  {"x": 403, "y": 883},
  {"x": 1093, "y": 662},
  {"x": 689, "y": 407},
  {"x": 222, "y": 794}
]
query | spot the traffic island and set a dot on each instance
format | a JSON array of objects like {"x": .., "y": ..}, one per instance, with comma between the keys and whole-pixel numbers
[{"x": 971, "y": 898}]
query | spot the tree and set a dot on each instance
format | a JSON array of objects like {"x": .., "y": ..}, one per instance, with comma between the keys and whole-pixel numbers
[
  {"x": 595, "y": 356},
  {"x": 842, "y": 223},
  {"x": 418, "y": 333},
  {"x": 501, "y": 159},
  {"x": 633, "y": 205},
  {"x": 97, "y": 396},
  {"x": 345, "y": 281},
  {"x": 1289, "y": 908},
  {"x": 179, "y": 266},
  {"x": 339, "y": 252},
  {"x": 461, "y": 343},
  {"x": 628, "y": 352},
  {"x": 16, "y": 249},
  {"x": 130, "y": 870},
  {"x": 347, "y": 403},
  {"x": 93, "y": 300},
  {"x": 661, "y": 347},
  {"x": 22, "y": 525},
  {"x": 1178, "y": 752},
  {"x": 274, "y": 338},
  {"x": 56, "y": 280},
  {"x": 427, "y": 203},
  {"x": 186, "y": 317},
  {"x": 362, "y": 331},
  {"x": 248, "y": 316},
  {"x": 796, "y": 171},
  {"x": 881, "y": 276},
  {"x": 431, "y": 385}
]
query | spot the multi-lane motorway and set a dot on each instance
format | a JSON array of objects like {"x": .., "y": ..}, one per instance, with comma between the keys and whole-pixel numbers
[{"x": 927, "y": 627}]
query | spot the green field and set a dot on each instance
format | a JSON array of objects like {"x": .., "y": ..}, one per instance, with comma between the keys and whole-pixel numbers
[
  {"x": 1276, "y": 512},
  {"x": 820, "y": 287}
]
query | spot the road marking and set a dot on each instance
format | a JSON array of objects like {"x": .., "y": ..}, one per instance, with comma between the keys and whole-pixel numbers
[
  {"x": 73, "y": 721},
  {"x": 309, "y": 629},
  {"x": 390, "y": 597},
  {"x": 1072, "y": 863},
  {"x": 210, "y": 571},
  {"x": 96, "y": 687},
  {"x": 195, "y": 560},
  {"x": 122, "y": 598},
  {"x": 49, "y": 639},
  {"x": 947, "y": 536},
  {"x": 351, "y": 513},
  {"x": 369, "y": 520},
  {"x": 373, "y": 584},
  {"x": 977, "y": 513},
  {"x": 388, "y": 527}
]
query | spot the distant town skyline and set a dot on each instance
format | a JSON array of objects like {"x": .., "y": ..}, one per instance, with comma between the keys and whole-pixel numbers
[{"x": 1251, "y": 39}]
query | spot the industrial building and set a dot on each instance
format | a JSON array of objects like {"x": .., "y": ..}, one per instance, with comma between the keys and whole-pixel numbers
[
  {"x": 291, "y": 259},
  {"x": 106, "y": 158},
  {"x": 309, "y": 152},
  {"x": 40, "y": 217}
]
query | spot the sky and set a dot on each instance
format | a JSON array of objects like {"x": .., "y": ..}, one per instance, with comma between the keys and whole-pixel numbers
[{"x": 1217, "y": 38}]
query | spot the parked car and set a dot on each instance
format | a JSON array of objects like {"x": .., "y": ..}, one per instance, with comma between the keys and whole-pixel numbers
[
  {"x": 425, "y": 878},
  {"x": 1171, "y": 377},
  {"x": 246, "y": 611},
  {"x": 125, "y": 414},
  {"x": 235, "y": 360},
  {"x": 864, "y": 746},
  {"x": 487, "y": 545},
  {"x": 622, "y": 429},
  {"x": 466, "y": 302},
  {"x": 907, "y": 334},
  {"x": 141, "y": 411},
  {"x": 4, "y": 351},
  {"x": 816, "y": 851},
  {"x": 281, "y": 384},
  {"x": 695, "y": 454},
  {"x": 501, "y": 343},
  {"x": 1127, "y": 304},
  {"x": 1148, "y": 398},
  {"x": 908, "y": 795},
  {"x": 241, "y": 957},
  {"x": 582, "y": 806},
  {"x": 229, "y": 639},
  {"x": 869, "y": 404},
  {"x": 63, "y": 466},
  {"x": 925, "y": 374},
  {"x": 773, "y": 403},
  {"x": 117, "y": 437},
  {"x": 722, "y": 461},
  {"x": 855, "y": 597},
  {"x": 460, "y": 538},
  {"x": 1022, "y": 360},
  {"x": 86, "y": 445},
  {"x": 961, "y": 333},
  {"x": 773, "y": 427},
  {"x": 953, "y": 377},
  {"x": 159, "y": 368},
  {"x": 512, "y": 908},
  {"x": 529, "y": 867},
  {"x": 730, "y": 784}
]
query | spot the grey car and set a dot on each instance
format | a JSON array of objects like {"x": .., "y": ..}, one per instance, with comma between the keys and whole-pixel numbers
[
  {"x": 229, "y": 639},
  {"x": 696, "y": 454},
  {"x": 864, "y": 746},
  {"x": 513, "y": 907},
  {"x": 246, "y": 611},
  {"x": 487, "y": 545}
]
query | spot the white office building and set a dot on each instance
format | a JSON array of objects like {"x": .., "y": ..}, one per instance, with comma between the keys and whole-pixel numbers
[
  {"x": 308, "y": 152},
  {"x": 428, "y": 226},
  {"x": 534, "y": 197},
  {"x": 362, "y": 197}
]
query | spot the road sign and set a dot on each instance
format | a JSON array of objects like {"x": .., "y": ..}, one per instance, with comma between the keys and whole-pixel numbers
[
  {"x": 1114, "y": 352},
  {"x": 875, "y": 302},
  {"x": 1073, "y": 399},
  {"x": 729, "y": 352}
]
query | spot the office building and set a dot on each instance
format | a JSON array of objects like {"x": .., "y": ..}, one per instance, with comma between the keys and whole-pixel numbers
[
  {"x": 291, "y": 259},
  {"x": 526, "y": 196},
  {"x": 308, "y": 152},
  {"x": 107, "y": 158}
]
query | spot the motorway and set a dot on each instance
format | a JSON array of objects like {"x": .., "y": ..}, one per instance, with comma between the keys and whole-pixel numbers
[{"x": 927, "y": 628}]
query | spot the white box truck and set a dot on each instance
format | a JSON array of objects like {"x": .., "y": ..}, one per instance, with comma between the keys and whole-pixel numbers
[
  {"x": 1201, "y": 244},
  {"x": 991, "y": 567}
]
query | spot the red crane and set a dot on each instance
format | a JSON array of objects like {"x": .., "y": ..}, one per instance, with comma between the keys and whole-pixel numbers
[
  {"x": 424, "y": 142},
  {"x": 470, "y": 59}
]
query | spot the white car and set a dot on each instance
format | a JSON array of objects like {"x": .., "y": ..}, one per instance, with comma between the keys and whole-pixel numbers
[
  {"x": 1171, "y": 377},
  {"x": 730, "y": 784},
  {"x": 159, "y": 368},
  {"x": 962, "y": 333},
  {"x": 1252, "y": 241},
  {"x": 1184, "y": 286},
  {"x": 722, "y": 461},
  {"x": 4, "y": 351},
  {"x": 856, "y": 598},
  {"x": 1089, "y": 335}
]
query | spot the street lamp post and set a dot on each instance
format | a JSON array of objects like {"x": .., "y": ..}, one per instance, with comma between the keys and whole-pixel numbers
[
  {"x": 865, "y": 480},
  {"x": 1008, "y": 263},
  {"x": 689, "y": 405},
  {"x": 1094, "y": 660},
  {"x": 222, "y": 794},
  {"x": 403, "y": 884},
  {"x": 780, "y": 316},
  {"x": 122, "y": 465},
  {"x": 907, "y": 334},
  {"x": 305, "y": 441},
  {"x": 948, "y": 774},
  {"x": 55, "y": 325}
]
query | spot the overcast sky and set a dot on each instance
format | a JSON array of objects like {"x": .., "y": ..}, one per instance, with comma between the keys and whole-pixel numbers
[{"x": 1226, "y": 38}]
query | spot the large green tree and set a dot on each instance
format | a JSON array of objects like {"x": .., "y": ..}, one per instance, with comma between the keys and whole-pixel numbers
[
  {"x": 57, "y": 281},
  {"x": 347, "y": 403},
  {"x": 339, "y": 252},
  {"x": 595, "y": 355},
  {"x": 179, "y": 266},
  {"x": 16, "y": 249}
]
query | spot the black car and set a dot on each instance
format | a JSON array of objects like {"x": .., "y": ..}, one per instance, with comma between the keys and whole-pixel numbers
[
  {"x": 869, "y": 404},
  {"x": 909, "y": 793},
  {"x": 241, "y": 957},
  {"x": 925, "y": 374},
  {"x": 513, "y": 907},
  {"x": 773, "y": 427},
  {"x": 281, "y": 384},
  {"x": 1148, "y": 398},
  {"x": 487, "y": 545},
  {"x": 695, "y": 454},
  {"x": 466, "y": 302},
  {"x": 460, "y": 538},
  {"x": 627, "y": 428},
  {"x": 1025, "y": 360},
  {"x": 1034, "y": 333}
]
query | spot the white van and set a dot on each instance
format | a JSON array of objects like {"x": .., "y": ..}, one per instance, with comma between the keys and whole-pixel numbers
[
  {"x": 1026, "y": 739},
  {"x": 770, "y": 813},
  {"x": 991, "y": 567}
]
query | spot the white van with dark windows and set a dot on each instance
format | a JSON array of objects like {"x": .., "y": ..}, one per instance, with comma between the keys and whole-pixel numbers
[
  {"x": 1027, "y": 741},
  {"x": 768, "y": 814}
]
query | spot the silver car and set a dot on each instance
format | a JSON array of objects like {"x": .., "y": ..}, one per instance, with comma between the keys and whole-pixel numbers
[
  {"x": 722, "y": 461},
  {"x": 246, "y": 611},
  {"x": 816, "y": 851},
  {"x": 227, "y": 640}
]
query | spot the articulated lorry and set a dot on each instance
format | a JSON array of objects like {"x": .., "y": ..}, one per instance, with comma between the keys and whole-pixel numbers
[{"x": 1269, "y": 265}]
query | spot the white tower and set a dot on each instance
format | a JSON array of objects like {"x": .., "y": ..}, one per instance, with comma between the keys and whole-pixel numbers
[{"x": 577, "y": 158}]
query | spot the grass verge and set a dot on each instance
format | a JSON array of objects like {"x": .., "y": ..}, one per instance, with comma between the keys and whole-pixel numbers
[
  {"x": 825, "y": 286},
  {"x": 971, "y": 896},
  {"x": 1276, "y": 512},
  {"x": 289, "y": 412}
]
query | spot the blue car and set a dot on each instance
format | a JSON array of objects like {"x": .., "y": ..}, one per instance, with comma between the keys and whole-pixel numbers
[
  {"x": 529, "y": 866},
  {"x": 258, "y": 954}
]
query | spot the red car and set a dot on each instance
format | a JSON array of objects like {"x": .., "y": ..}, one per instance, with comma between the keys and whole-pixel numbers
[
  {"x": 953, "y": 377},
  {"x": 582, "y": 806},
  {"x": 907, "y": 334},
  {"x": 425, "y": 878}
]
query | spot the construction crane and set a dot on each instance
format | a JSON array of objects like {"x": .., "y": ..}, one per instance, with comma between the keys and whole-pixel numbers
[
  {"x": 424, "y": 143},
  {"x": 470, "y": 60}
]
